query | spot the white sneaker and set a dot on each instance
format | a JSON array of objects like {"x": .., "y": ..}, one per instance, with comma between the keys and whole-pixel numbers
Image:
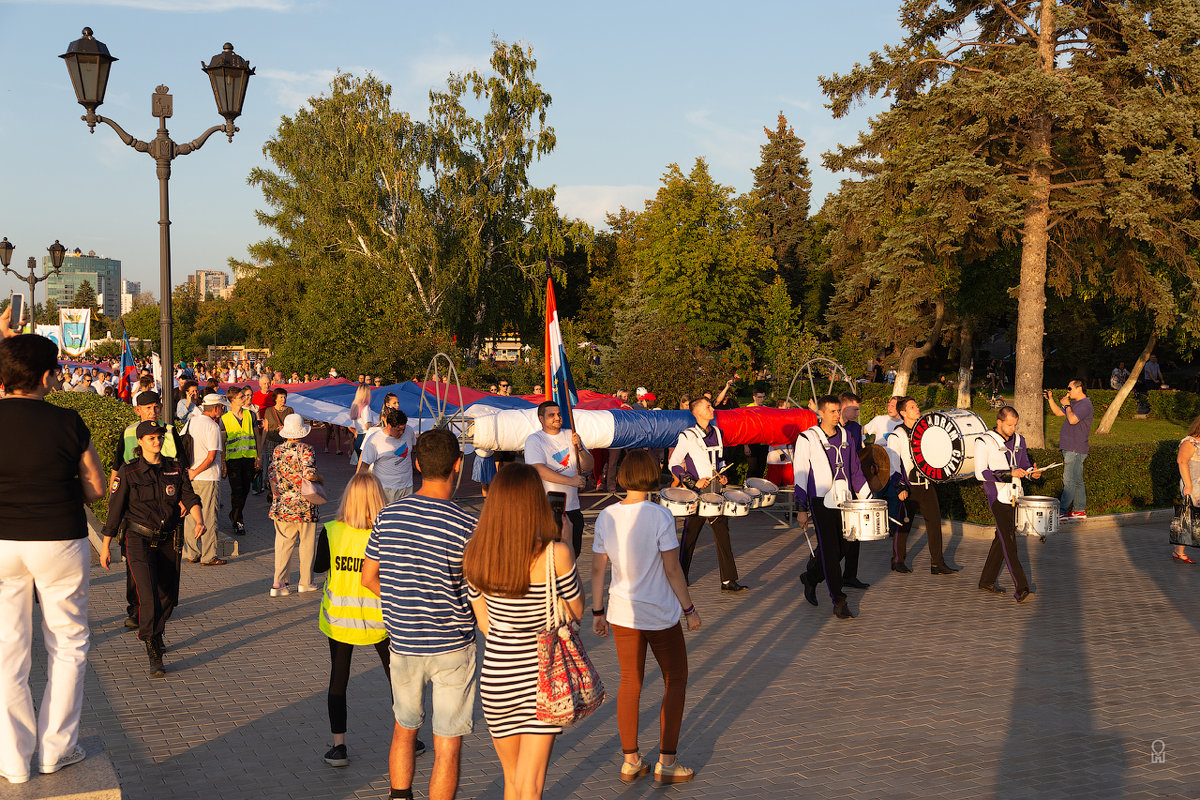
[
  {"x": 280, "y": 591},
  {"x": 306, "y": 587},
  {"x": 15, "y": 778},
  {"x": 73, "y": 757}
]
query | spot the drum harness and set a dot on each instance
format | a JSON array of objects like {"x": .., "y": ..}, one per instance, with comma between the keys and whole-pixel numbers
[
  {"x": 839, "y": 467},
  {"x": 1010, "y": 457}
]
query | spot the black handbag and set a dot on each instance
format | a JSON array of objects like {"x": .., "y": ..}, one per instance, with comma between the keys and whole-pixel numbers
[{"x": 1185, "y": 527}]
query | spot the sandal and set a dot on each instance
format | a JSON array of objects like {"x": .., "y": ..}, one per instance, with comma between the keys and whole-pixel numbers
[{"x": 1183, "y": 557}]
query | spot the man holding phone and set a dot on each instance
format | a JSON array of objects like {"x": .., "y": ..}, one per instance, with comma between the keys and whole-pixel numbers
[{"x": 561, "y": 460}]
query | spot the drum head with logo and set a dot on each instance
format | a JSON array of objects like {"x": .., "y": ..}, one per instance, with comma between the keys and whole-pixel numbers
[{"x": 943, "y": 443}]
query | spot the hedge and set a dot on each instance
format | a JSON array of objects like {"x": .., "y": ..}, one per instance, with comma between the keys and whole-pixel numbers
[
  {"x": 1118, "y": 478},
  {"x": 106, "y": 418}
]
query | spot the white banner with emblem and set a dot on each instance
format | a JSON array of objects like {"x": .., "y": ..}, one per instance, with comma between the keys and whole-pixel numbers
[{"x": 76, "y": 330}]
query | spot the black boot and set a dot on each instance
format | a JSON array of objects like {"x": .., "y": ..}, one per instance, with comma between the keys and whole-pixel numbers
[
  {"x": 156, "y": 662},
  {"x": 158, "y": 644}
]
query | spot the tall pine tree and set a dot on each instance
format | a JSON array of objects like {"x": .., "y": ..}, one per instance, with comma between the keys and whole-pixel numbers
[{"x": 780, "y": 204}]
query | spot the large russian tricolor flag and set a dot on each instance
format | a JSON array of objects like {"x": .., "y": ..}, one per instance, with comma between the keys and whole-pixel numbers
[
  {"x": 127, "y": 373},
  {"x": 559, "y": 386}
]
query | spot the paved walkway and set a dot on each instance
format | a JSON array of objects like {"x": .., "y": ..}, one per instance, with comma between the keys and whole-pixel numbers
[{"x": 936, "y": 690}]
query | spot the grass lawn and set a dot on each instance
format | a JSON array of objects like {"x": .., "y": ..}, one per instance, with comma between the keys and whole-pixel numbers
[{"x": 1124, "y": 431}]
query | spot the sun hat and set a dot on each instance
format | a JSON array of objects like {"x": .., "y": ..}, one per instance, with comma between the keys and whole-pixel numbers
[{"x": 294, "y": 427}]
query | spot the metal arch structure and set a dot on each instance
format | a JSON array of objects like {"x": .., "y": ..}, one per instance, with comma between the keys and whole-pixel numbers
[
  {"x": 455, "y": 421},
  {"x": 829, "y": 368}
]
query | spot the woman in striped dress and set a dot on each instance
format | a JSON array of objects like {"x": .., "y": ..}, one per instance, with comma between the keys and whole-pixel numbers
[{"x": 504, "y": 565}]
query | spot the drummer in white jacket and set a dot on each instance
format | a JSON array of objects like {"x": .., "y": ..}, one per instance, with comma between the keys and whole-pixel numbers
[
  {"x": 1001, "y": 461},
  {"x": 827, "y": 470}
]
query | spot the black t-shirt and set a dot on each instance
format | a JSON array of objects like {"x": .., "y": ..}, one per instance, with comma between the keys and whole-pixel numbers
[{"x": 41, "y": 497}]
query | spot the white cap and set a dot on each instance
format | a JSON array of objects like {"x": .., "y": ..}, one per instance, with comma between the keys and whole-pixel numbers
[{"x": 641, "y": 390}]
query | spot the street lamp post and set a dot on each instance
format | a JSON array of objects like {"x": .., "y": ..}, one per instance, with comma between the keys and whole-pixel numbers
[
  {"x": 56, "y": 250},
  {"x": 88, "y": 62}
]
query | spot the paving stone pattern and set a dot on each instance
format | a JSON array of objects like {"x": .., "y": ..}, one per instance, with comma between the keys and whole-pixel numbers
[{"x": 936, "y": 690}]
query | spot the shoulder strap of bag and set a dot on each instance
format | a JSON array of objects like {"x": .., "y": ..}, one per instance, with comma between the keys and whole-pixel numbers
[{"x": 552, "y": 613}]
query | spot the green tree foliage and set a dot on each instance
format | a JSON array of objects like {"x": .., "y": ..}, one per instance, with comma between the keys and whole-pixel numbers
[
  {"x": 85, "y": 296},
  {"x": 47, "y": 314},
  {"x": 1074, "y": 123},
  {"x": 787, "y": 343},
  {"x": 699, "y": 261},
  {"x": 780, "y": 204},
  {"x": 142, "y": 323}
]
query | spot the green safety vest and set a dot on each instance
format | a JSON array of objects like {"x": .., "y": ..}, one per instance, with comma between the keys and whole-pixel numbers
[
  {"x": 130, "y": 438},
  {"x": 239, "y": 437},
  {"x": 350, "y": 612}
]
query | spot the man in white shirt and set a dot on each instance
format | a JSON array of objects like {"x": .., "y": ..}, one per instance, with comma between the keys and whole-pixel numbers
[
  {"x": 207, "y": 470},
  {"x": 387, "y": 452},
  {"x": 883, "y": 424},
  {"x": 561, "y": 461}
]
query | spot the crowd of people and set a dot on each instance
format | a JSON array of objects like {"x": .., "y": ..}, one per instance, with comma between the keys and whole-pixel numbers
[{"x": 411, "y": 573}]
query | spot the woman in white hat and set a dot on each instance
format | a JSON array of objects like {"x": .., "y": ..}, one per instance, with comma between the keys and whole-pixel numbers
[{"x": 295, "y": 518}]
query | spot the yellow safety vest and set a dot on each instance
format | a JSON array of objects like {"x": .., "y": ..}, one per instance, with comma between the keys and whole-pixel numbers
[
  {"x": 129, "y": 438},
  {"x": 239, "y": 437},
  {"x": 350, "y": 613}
]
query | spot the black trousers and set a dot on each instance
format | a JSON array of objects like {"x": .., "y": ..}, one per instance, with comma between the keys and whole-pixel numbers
[
  {"x": 924, "y": 498},
  {"x": 720, "y": 528},
  {"x": 757, "y": 462},
  {"x": 155, "y": 571},
  {"x": 831, "y": 549},
  {"x": 131, "y": 594},
  {"x": 576, "y": 518},
  {"x": 1004, "y": 549},
  {"x": 340, "y": 654},
  {"x": 241, "y": 475}
]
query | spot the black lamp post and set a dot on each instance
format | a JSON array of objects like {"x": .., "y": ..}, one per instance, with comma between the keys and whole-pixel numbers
[
  {"x": 56, "y": 250},
  {"x": 88, "y": 62}
]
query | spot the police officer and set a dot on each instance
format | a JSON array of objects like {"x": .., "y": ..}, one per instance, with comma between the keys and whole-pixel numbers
[
  {"x": 147, "y": 406},
  {"x": 149, "y": 495}
]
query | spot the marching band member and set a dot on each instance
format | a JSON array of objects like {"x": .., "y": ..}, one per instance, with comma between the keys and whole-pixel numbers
[
  {"x": 697, "y": 463},
  {"x": 1001, "y": 460},
  {"x": 914, "y": 491},
  {"x": 826, "y": 470}
]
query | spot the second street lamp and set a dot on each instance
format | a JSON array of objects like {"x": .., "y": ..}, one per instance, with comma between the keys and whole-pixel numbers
[
  {"x": 56, "y": 251},
  {"x": 88, "y": 62}
]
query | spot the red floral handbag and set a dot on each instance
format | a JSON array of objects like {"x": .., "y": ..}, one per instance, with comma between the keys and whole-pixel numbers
[{"x": 569, "y": 688}]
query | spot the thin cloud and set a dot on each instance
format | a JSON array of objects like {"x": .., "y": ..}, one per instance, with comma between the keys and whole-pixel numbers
[
  {"x": 186, "y": 6},
  {"x": 729, "y": 147},
  {"x": 592, "y": 203},
  {"x": 293, "y": 89}
]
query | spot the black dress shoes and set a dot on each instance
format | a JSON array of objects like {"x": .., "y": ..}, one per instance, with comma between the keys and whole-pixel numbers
[
  {"x": 900, "y": 566},
  {"x": 992, "y": 588},
  {"x": 733, "y": 586},
  {"x": 810, "y": 590},
  {"x": 855, "y": 583},
  {"x": 842, "y": 611},
  {"x": 1021, "y": 597},
  {"x": 941, "y": 569}
]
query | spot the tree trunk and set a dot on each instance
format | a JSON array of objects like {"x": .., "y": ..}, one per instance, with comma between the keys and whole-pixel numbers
[
  {"x": 908, "y": 358},
  {"x": 1110, "y": 415},
  {"x": 966, "y": 362},
  {"x": 1035, "y": 236}
]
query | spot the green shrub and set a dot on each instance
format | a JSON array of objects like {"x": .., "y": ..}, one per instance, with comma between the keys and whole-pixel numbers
[
  {"x": 1174, "y": 406},
  {"x": 1118, "y": 478},
  {"x": 106, "y": 418}
]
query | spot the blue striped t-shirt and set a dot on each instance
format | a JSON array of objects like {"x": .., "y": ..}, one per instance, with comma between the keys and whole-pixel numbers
[{"x": 418, "y": 542}]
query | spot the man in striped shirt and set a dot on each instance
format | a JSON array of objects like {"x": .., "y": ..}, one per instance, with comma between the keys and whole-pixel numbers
[{"x": 414, "y": 563}]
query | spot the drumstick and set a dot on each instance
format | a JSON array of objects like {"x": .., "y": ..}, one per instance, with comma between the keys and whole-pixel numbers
[{"x": 1048, "y": 466}]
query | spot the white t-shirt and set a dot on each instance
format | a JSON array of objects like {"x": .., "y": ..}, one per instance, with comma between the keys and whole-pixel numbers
[
  {"x": 556, "y": 453},
  {"x": 389, "y": 458},
  {"x": 634, "y": 536},
  {"x": 881, "y": 426},
  {"x": 362, "y": 423},
  {"x": 206, "y": 437}
]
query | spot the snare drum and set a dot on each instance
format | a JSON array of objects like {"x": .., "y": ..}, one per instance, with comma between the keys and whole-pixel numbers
[
  {"x": 768, "y": 490},
  {"x": 681, "y": 502},
  {"x": 755, "y": 496},
  {"x": 711, "y": 505},
  {"x": 943, "y": 444},
  {"x": 864, "y": 520},
  {"x": 1037, "y": 516},
  {"x": 737, "y": 503}
]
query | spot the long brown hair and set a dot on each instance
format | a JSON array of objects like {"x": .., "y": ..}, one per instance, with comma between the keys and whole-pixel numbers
[
  {"x": 515, "y": 526},
  {"x": 1194, "y": 430}
]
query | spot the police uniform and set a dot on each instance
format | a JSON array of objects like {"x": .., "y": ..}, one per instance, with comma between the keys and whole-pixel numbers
[
  {"x": 125, "y": 454},
  {"x": 145, "y": 505}
]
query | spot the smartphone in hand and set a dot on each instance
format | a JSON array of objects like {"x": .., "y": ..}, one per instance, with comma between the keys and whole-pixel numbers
[
  {"x": 558, "y": 505},
  {"x": 17, "y": 304}
]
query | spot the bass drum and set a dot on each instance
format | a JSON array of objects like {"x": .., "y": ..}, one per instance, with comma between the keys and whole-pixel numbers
[{"x": 943, "y": 444}]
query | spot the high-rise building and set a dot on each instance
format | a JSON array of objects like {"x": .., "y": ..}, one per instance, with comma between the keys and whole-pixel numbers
[
  {"x": 208, "y": 282},
  {"x": 104, "y": 275},
  {"x": 129, "y": 290}
]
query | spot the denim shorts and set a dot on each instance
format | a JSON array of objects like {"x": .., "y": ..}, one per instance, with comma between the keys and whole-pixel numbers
[{"x": 453, "y": 678}]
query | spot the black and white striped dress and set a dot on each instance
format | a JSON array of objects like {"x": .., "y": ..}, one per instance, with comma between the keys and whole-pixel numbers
[{"x": 508, "y": 681}]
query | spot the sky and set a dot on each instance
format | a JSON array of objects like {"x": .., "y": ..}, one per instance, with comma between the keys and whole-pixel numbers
[{"x": 636, "y": 86}]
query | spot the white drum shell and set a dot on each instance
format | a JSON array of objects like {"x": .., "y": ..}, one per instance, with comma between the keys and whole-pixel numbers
[
  {"x": 711, "y": 505},
  {"x": 768, "y": 489},
  {"x": 864, "y": 520},
  {"x": 755, "y": 496},
  {"x": 681, "y": 502},
  {"x": 737, "y": 503},
  {"x": 1037, "y": 516}
]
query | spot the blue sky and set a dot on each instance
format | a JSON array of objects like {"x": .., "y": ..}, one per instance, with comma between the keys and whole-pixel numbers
[{"x": 635, "y": 87}]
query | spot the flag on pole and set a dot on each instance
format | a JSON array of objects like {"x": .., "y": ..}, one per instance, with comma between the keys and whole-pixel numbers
[
  {"x": 128, "y": 376},
  {"x": 559, "y": 386}
]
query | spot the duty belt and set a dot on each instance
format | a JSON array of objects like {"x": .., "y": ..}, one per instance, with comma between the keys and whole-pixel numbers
[{"x": 155, "y": 536}]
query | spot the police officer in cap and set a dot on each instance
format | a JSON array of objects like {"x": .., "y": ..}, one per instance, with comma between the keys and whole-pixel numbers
[
  {"x": 147, "y": 406},
  {"x": 150, "y": 495}
]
